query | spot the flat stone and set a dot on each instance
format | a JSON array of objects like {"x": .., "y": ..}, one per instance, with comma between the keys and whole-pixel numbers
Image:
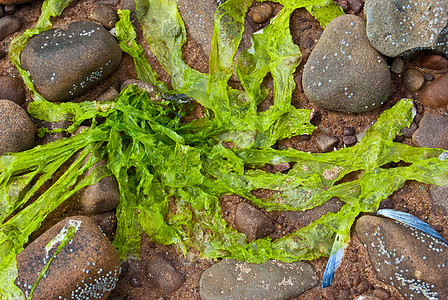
[
  {"x": 432, "y": 132},
  {"x": 75, "y": 59},
  {"x": 326, "y": 142},
  {"x": 16, "y": 128},
  {"x": 344, "y": 72},
  {"x": 88, "y": 266},
  {"x": 413, "y": 79},
  {"x": 252, "y": 222},
  {"x": 12, "y": 89},
  {"x": 232, "y": 280},
  {"x": 439, "y": 199},
  {"x": 435, "y": 94},
  {"x": 434, "y": 62},
  {"x": 304, "y": 218},
  {"x": 163, "y": 275},
  {"x": 9, "y": 25},
  {"x": 397, "y": 26},
  {"x": 198, "y": 16},
  {"x": 413, "y": 262}
]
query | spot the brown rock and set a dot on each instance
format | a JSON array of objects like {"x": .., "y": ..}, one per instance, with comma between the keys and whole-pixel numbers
[
  {"x": 163, "y": 275},
  {"x": 413, "y": 79},
  {"x": 439, "y": 199},
  {"x": 262, "y": 12},
  {"x": 107, "y": 222},
  {"x": 105, "y": 15},
  {"x": 16, "y": 128},
  {"x": 434, "y": 62},
  {"x": 7, "y": 2},
  {"x": 12, "y": 89},
  {"x": 432, "y": 132},
  {"x": 435, "y": 94},
  {"x": 381, "y": 293},
  {"x": 87, "y": 266},
  {"x": 9, "y": 25},
  {"x": 326, "y": 142},
  {"x": 252, "y": 222},
  {"x": 304, "y": 218}
]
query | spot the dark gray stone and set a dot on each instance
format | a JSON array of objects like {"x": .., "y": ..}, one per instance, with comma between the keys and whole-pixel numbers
[
  {"x": 163, "y": 275},
  {"x": 88, "y": 266},
  {"x": 12, "y": 89},
  {"x": 9, "y": 25},
  {"x": 439, "y": 199},
  {"x": 326, "y": 142},
  {"x": 397, "y": 26},
  {"x": 231, "y": 280},
  {"x": 75, "y": 59},
  {"x": 16, "y": 128},
  {"x": 432, "y": 132},
  {"x": 252, "y": 222},
  {"x": 105, "y": 15},
  {"x": 413, "y": 262},
  {"x": 344, "y": 72}
]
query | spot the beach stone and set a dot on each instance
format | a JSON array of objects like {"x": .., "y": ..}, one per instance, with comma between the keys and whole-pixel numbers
[
  {"x": 16, "y": 128},
  {"x": 434, "y": 62},
  {"x": 88, "y": 266},
  {"x": 435, "y": 94},
  {"x": 107, "y": 222},
  {"x": 12, "y": 89},
  {"x": 432, "y": 132},
  {"x": 152, "y": 91},
  {"x": 413, "y": 79},
  {"x": 75, "y": 59},
  {"x": 439, "y": 199},
  {"x": 102, "y": 196},
  {"x": 51, "y": 137},
  {"x": 109, "y": 95},
  {"x": 8, "y": 2},
  {"x": 105, "y": 15},
  {"x": 198, "y": 16},
  {"x": 252, "y": 222},
  {"x": 232, "y": 280},
  {"x": 413, "y": 262},
  {"x": 326, "y": 142},
  {"x": 9, "y": 25},
  {"x": 397, "y": 26},
  {"x": 163, "y": 275},
  {"x": 344, "y": 72},
  {"x": 397, "y": 65},
  {"x": 262, "y": 12},
  {"x": 304, "y": 218}
]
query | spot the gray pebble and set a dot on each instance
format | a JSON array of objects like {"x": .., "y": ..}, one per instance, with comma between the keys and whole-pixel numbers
[
  {"x": 9, "y": 25},
  {"x": 326, "y": 142}
]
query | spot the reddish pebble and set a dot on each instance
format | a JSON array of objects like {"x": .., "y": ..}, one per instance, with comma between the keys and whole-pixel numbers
[
  {"x": 435, "y": 94},
  {"x": 434, "y": 62}
]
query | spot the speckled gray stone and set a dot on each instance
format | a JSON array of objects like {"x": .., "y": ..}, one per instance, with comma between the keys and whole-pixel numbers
[
  {"x": 75, "y": 59},
  {"x": 398, "y": 26},
  {"x": 234, "y": 280},
  {"x": 344, "y": 72},
  {"x": 415, "y": 263},
  {"x": 16, "y": 128},
  {"x": 86, "y": 268}
]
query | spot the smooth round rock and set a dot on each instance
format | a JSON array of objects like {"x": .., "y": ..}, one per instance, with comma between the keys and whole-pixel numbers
[
  {"x": 16, "y": 128},
  {"x": 9, "y": 25},
  {"x": 12, "y": 89},
  {"x": 262, "y": 13},
  {"x": 75, "y": 59},
  {"x": 397, "y": 26},
  {"x": 435, "y": 94},
  {"x": 86, "y": 268},
  {"x": 105, "y": 15},
  {"x": 344, "y": 72},
  {"x": 413, "y": 79},
  {"x": 432, "y": 132}
]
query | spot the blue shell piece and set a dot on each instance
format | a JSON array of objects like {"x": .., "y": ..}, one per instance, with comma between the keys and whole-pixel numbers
[
  {"x": 333, "y": 263},
  {"x": 411, "y": 221}
]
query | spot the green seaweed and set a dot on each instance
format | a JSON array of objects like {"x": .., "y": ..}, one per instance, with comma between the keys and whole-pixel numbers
[{"x": 171, "y": 175}]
